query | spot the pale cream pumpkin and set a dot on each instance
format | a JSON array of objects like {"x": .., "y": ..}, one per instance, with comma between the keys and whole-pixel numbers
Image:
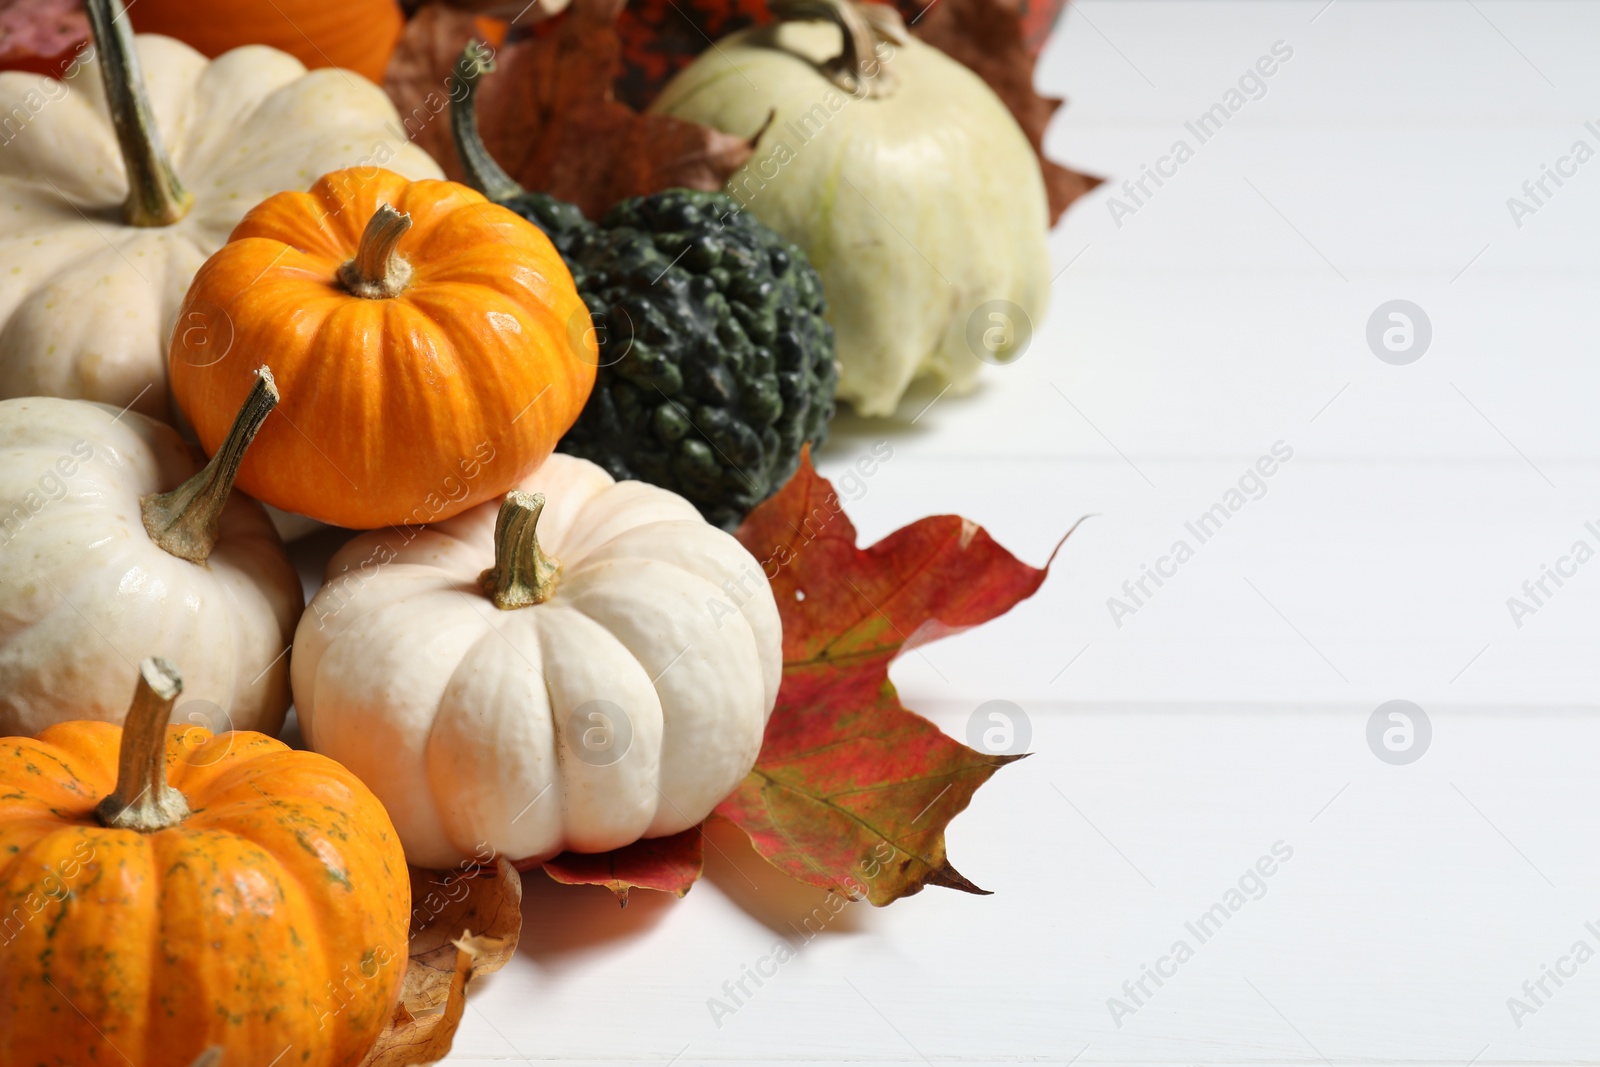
[
  {"x": 572, "y": 670},
  {"x": 904, "y": 178},
  {"x": 92, "y": 270},
  {"x": 113, "y": 548}
]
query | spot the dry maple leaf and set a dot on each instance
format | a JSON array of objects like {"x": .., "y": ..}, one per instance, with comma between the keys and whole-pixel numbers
[
  {"x": 549, "y": 116},
  {"x": 464, "y": 923},
  {"x": 421, "y": 78},
  {"x": 851, "y": 792}
]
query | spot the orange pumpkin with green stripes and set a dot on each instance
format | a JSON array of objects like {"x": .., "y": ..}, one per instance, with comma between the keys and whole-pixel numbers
[{"x": 164, "y": 890}]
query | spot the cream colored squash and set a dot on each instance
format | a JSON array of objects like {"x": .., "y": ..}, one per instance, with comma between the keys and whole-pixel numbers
[
  {"x": 534, "y": 681},
  {"x": 90, "y": 276},
  {"x": 113, "y": 548},
  {"x": 905, "y": 179}
]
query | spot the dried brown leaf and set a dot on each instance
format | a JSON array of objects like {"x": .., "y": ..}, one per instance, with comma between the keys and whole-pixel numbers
[
  {"x": 549, "y": 115},
  {"x": 464, "y": 923},
  {"x": 485, "y": 900},
  {"x": 411, "y": 1040},
  {"x": 420, "y": 77}
]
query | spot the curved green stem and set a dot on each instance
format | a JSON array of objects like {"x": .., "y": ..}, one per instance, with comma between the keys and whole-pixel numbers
[
  {"x": 483, "y": 173},
  {"x": 185, "y": 520},
  {"x": 861, "y": 26},
  {"x": 142, "y": 799},
  {"x": 522, "y": 575},
  {"x": 155, "y": 195},
  {"x": 378, "y": 271}
]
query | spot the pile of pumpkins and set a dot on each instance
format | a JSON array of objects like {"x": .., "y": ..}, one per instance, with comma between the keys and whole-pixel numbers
[{"x": 523, "y": 655}]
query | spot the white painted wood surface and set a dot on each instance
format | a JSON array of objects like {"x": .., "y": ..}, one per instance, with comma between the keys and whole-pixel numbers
[{"x": 1229, "y": 712}]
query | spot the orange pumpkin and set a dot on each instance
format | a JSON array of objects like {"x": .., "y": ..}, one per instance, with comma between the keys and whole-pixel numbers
[
  {"x": 164, "y": 890},
  {"x": 432, "y": 348},
  {"x": 357, "y": 35}
]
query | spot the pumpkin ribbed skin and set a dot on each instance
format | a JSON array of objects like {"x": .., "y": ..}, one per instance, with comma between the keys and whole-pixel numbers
[
  {"x": 357, "y": 35},
  {"x": 411, "y": 408},
  {"x": 84, "y": 590},
  {"x": 275, "y": 916},
  {"x": 476, "y": 726}
]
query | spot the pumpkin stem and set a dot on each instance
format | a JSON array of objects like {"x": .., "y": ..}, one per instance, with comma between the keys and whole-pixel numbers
[
  {"x": 861, "y": 26},
  {"x": 483, "y": 173},
  {"x": 522, "y": 574},
  {"x": 143, "y": 800},
  {"x": 378, "y": 272},
  {"x": 185, "y": 520},
  {"x": 155, "y": 195}
]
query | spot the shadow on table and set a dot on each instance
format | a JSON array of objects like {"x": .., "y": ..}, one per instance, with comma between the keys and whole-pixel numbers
[
  {"x": 564, "y": 920},
  {"x": 916, "y": 415},
  {"x": 790, "y": 909}
]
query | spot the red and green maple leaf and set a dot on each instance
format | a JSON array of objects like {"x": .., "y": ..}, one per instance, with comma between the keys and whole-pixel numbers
[{"x": 852, "y": 792}]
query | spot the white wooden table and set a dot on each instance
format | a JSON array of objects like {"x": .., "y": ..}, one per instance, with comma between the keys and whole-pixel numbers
[{"x": 1227, "y": 714}]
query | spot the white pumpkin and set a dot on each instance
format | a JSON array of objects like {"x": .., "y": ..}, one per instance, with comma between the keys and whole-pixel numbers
[
  {"x": 624, "y": 698},
  {"x": 908, "y": 183},
  {"x": 87, "y": 590},
  {"x": 91, "y": 277}
]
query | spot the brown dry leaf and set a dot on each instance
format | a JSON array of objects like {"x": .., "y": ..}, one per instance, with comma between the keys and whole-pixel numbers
[
  {"x": 420, "y": 73},
  {"x": 549, "y": 115},
  {"x": 485, "y": 900},
  {"x": 464, "y": 923},
  {"x": 412, "y": 1040},
  {"x": 987, "y": 35}
]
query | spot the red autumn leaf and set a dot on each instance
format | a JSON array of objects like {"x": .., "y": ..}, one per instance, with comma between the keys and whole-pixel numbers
[
  {"x": 852, "y": 792},
  {"x": 668, "y": 864},
  {"x": 548, "y": 113},
  {"x": 41, "y": 36}
]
